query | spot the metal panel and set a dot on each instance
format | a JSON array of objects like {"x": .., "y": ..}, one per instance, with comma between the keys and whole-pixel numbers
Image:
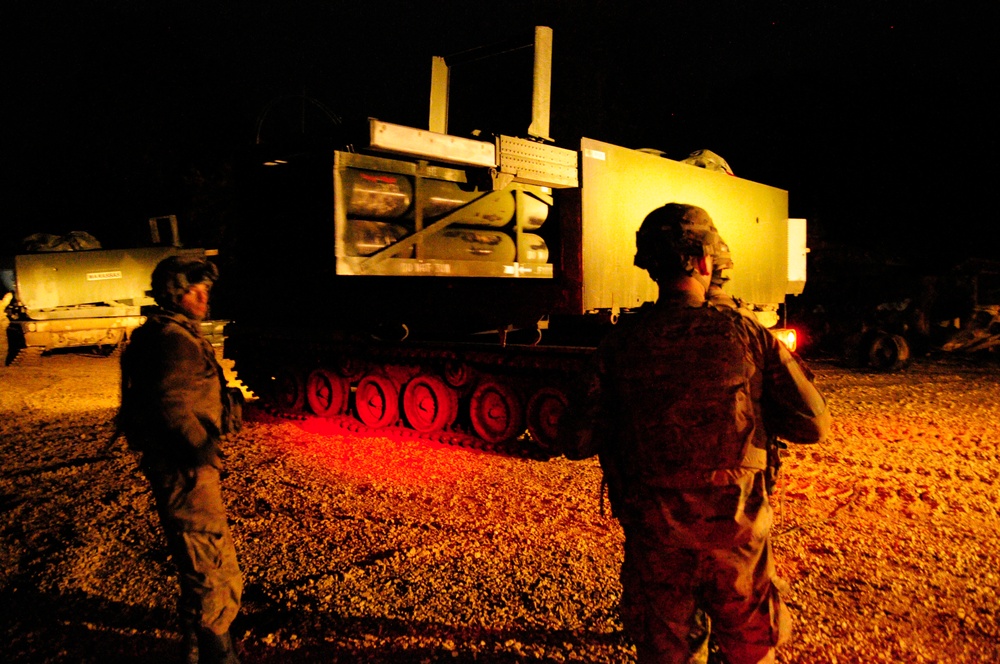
[
  {"x": 532, "y": 162},
  {"x": 72, "y": 278},
  {"x": 541, "y": 91},
  {"x": 68, "y": 333},
  {"x": 431, "y": 145},
  {"x": 440, "y": 74},
  {"x": 797, "y": 251},
  {"x": 621, "y": 186},
  {"x": 412, "y": 267}
]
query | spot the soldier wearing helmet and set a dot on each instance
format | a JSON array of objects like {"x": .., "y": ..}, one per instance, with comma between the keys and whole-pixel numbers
[
  {"x": 174, "y": 411},
  {"x": 673, "y": 238},
  {"x": 678, "y": 408}
]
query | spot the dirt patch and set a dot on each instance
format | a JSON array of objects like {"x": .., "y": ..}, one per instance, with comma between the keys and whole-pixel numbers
[{"x": 402, "y": 550}]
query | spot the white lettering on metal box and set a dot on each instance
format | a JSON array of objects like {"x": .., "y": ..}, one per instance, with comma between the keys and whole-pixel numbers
[{"x": 104, "y": 276}]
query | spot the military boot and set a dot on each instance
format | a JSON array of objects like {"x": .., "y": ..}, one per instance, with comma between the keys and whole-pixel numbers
[{"x": 216, "y": 648}]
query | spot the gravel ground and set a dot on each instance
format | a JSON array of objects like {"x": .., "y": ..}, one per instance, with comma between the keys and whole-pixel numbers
[{"x": 378, "y": 549}]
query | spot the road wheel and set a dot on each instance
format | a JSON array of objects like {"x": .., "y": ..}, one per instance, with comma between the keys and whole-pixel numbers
[
  {"x": 288, "y": 390},
  {"x": 458, "y": 374},
  {"x": 495, "y": 411},
  {"x": 429, "y": 404},
  {"x": 545, "y": 410},
  {"x": 327, "y": 393},
  {"x": 376, "y": 401}
]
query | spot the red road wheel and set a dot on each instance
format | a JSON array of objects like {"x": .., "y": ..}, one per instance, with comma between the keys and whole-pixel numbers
[
  {"x": 457, "y": 373},
  {"x": 545, "y": 410},
  {"x": 288, "y": 390},
  {"x": 495, "y": 411},
  {"x": 327, "y": 393},
  {"x": 350, "y": 368},
  {"x": 429, "y": 404},
  {"x": 376, "y": 401}
]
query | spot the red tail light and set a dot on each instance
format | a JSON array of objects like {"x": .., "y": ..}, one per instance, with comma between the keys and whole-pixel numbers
[{"x": 788, "y": 337}]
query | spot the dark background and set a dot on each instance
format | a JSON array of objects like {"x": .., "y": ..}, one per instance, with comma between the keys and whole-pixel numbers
[{"x": 880, "y": 118}]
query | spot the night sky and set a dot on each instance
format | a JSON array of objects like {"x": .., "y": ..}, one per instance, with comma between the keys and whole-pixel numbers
[{"x": 880, "y": 118}]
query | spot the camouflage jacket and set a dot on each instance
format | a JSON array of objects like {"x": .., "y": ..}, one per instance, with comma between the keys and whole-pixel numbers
[
  {"x": 172, "y": 392},
  {"x": 686, "y": 397}
]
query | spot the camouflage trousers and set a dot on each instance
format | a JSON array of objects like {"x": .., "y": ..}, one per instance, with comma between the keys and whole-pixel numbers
[
  {"x": 673, "y": 596},
  {"x": 189, "y": 504}
]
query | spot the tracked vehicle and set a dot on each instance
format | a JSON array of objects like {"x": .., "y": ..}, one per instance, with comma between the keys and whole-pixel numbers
[
  {"x": 455, "y": 285},
  {"x": 86, "y": 298}
]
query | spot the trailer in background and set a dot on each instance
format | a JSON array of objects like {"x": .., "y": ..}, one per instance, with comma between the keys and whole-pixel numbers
[{"x": 64, "y": 297}]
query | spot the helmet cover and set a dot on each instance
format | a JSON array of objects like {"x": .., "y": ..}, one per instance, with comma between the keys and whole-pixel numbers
[
  {"x": 669, "y": 235},
  {"x": 174, "y": 275}
]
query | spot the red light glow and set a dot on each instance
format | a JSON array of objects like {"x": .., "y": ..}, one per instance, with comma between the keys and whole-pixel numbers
[
  {"x": 405, "y": 456},
  {"x": 787, "y": 336}
]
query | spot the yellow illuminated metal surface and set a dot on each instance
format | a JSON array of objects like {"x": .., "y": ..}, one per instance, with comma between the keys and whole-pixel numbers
[
  {"x": 797, "y": 251},
  {"x": 431, "y": 145},
  {"x": 621, "y": 186},
  {"x": 47, "y": 281}
]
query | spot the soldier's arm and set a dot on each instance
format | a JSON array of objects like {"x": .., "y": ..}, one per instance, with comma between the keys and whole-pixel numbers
[
  {"x": 793, "y": 408},
  {"x": 582, "y": 428},
  {"x": 180, "y": 362}
]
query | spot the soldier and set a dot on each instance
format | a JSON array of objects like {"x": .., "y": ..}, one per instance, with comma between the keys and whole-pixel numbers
[
  {"x": 678, "y": 409},
  {"x": 174, "y": 410}
]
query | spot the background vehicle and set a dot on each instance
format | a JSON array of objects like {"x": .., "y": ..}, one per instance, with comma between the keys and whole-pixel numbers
[
  {"x": 459, "y": 283},
  {"x": 78, "y": 296}
]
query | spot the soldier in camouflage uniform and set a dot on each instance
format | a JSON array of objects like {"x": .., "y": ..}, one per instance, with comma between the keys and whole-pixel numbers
[
  {"x": 173, "y": 411},
  {"x": 678, "y": 409}
]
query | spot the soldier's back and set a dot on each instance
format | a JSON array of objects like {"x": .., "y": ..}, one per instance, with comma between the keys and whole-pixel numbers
[{"x": 683, "y": 382}]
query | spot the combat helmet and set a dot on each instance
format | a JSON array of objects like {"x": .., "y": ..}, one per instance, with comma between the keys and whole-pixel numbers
[
  {"x": 174, "y": 275},
  {"x": 672, "y": 234}
]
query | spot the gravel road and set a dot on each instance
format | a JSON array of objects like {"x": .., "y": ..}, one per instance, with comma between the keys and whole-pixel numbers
[{"x": 379, "y": 549}]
